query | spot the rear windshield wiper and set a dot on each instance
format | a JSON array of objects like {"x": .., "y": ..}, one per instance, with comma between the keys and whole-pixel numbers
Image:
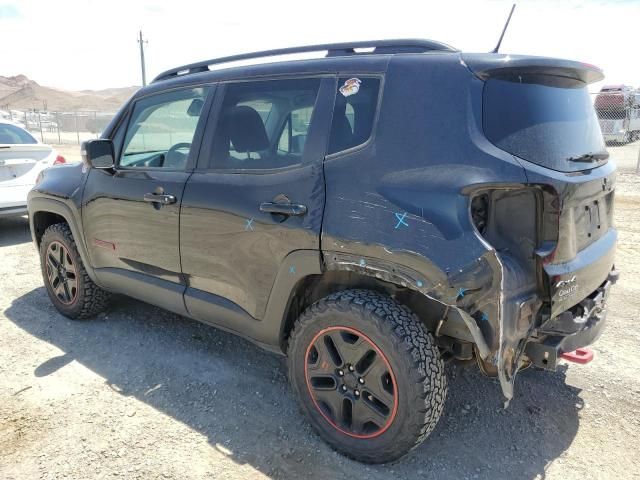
[{"x": 589, "y": 157}]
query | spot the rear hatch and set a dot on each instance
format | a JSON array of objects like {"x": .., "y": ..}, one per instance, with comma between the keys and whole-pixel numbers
[
  {"x": 543, "y": 118},
  {"x": 585, "y": 248},
  {"x": 540, "y": 111}
]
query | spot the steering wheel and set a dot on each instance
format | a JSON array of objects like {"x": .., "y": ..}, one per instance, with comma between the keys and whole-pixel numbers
[{"x": 171, "y": 158}]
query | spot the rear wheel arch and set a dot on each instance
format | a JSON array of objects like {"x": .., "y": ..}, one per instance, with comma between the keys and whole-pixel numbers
[{"x": 312, "y": 288}]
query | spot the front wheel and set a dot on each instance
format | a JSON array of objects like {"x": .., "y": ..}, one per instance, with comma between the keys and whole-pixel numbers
[
  {"x": 367, "y": 374},
  {"x": 70, "y": 289}
]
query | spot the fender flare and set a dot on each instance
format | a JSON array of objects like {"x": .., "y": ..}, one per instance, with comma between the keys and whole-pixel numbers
[
  {"x": 50, "y": 205},
  {"x": 309, "y": 262},
  {"x": 406, "y": 277},
  {"x": 295, "y": 267}
]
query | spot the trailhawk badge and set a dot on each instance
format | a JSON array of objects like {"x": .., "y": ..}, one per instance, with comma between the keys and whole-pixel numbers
[{"x": 567, "y": 288}]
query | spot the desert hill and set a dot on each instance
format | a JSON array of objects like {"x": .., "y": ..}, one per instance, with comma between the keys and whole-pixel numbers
[{"x": 21, "y": 93}]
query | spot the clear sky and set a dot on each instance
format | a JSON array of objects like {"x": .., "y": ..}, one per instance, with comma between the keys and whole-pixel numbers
[{"x": 91, "y": 44}]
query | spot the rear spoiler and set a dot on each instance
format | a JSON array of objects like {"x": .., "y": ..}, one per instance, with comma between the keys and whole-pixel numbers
[{"x": 486, "y": 65}]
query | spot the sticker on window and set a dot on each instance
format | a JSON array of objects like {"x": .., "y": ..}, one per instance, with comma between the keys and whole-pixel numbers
[{"x": 350, "y": 87}]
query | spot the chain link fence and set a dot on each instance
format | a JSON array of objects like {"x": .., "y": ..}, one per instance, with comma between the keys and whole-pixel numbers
[
  {"x": 618, "y": 110},
  {"x": 61, "y": 128}
]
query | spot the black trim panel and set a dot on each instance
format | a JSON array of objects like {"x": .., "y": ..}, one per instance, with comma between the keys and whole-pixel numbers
[
  {"x": 153, "y": 290},
  {"x": 44, "y": 204}
]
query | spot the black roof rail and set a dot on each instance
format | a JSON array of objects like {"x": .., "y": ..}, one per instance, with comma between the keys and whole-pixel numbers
[{"x": 333, "y": 50}]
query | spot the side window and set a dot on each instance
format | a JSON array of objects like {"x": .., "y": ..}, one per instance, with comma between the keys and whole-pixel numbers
[
  {"x": 161, "y": 129},
  {"x": 354, "y": 112},
  {"x": 264, "y": 124}
]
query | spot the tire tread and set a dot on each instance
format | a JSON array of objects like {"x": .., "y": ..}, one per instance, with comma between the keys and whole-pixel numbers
[
  {"x": 410, "y": 337},
  {"x": 95, "y": 299}
]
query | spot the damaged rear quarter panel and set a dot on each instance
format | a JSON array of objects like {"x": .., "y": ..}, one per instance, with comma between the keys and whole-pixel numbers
[{"x": 399, "y": 201}]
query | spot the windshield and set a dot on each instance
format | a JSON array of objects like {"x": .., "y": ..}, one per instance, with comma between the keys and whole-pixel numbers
[
  {"x": 10, "y": 134},
  {"x": 546, "y": 120}
]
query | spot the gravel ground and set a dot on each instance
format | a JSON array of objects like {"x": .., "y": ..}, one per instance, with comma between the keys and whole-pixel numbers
[{"x": 142, "y": 393}]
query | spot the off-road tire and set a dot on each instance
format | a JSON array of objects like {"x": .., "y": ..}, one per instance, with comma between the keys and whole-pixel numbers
[
  {"x": 418, "y": 369},
  {"x": 89, "y": 299}
]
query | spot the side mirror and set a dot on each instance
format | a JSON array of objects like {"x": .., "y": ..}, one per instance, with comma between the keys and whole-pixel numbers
[{"x": 98, "y": 153}]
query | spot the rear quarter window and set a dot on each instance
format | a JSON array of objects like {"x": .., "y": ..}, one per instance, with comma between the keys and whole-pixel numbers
[{"x": 354, "y": 112}]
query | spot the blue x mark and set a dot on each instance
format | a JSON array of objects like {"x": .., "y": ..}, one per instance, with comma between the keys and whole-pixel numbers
[
  {"x": 249, "y": 225},
  {"x": 461, "y": 292},
  {"x": 401, "y": 219},
  {"x": 292, "y": 269},
  {"x": 484, "y": 317}
]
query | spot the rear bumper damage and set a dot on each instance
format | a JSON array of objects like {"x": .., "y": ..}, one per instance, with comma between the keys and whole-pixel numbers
[
  {"x": 494, "y": 305},
  {"x": 493, "y": 274},
  {"x": 572, "y": 329}
]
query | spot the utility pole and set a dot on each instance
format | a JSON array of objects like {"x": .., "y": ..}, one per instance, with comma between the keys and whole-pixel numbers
[{"x": 144, "y": 73}]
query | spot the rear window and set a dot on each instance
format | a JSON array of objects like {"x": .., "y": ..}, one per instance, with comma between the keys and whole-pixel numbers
[
  {"x": 10, "y": 134},
  {"x": 543, "y": 119}
]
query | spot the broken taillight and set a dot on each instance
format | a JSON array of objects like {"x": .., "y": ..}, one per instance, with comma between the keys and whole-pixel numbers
[{"x": 480, "y": 212}]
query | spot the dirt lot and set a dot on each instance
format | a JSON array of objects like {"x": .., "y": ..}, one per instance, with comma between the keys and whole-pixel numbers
[{"x": 141, "y": 393}]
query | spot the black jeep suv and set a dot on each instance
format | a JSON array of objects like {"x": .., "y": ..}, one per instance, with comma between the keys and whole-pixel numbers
[{"x": 371, "y": 214}]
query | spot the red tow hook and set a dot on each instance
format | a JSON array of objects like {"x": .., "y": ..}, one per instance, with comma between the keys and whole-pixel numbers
[{"x": 580, "y": 355}]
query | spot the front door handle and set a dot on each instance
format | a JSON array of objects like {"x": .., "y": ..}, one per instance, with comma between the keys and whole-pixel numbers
[
  {"x": 160, "y": 198},
  {"x": 288, "y": 209}
]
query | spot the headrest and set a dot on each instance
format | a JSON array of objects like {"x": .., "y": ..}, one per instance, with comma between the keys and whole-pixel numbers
[
  {"x": 195, "y": 107},
  {"x": 246, "y": 130}
]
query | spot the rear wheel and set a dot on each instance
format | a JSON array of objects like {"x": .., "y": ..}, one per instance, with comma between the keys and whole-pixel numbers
[
  {"x": 367, "y": 375},
  {"x": 70, "y": 289}
]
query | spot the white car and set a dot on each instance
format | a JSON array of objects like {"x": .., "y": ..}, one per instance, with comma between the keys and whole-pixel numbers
[{"x": 22, "y": 158}]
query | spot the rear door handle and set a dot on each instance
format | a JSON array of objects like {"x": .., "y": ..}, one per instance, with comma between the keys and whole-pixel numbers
[
  {"x": 159, "y": 198},
  {"x": 288, "y": 209}
]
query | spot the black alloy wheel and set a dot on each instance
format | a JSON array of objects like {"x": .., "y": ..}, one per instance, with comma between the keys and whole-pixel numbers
[
  {"x": 351, "y": 382},
  {"x": 66, "y": 279},
  {"x": 61, "y": 273},
  {"x": 367, "y": 373}
]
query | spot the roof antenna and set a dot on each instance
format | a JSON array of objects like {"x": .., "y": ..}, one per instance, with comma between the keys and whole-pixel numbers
[{"x": 495, "y": 50}]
